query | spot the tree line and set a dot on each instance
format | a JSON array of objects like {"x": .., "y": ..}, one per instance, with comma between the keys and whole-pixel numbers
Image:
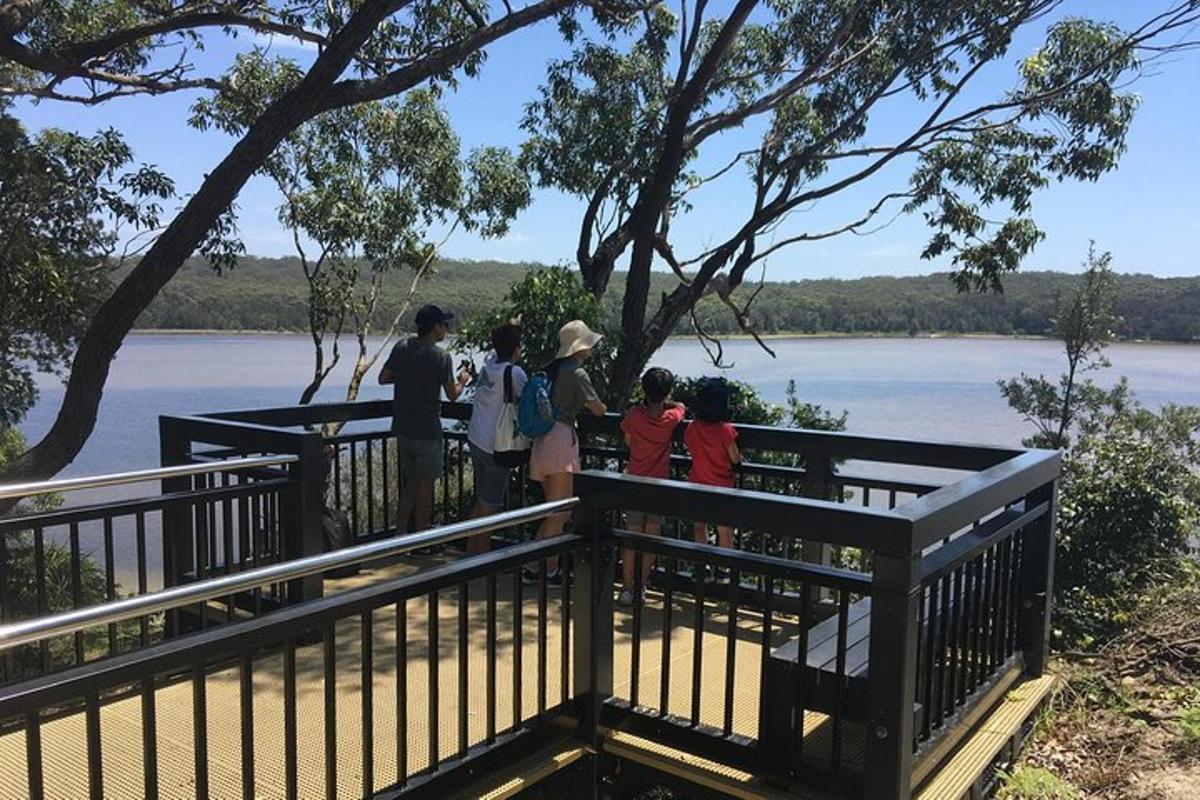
[{"x": 269, "y": 294}]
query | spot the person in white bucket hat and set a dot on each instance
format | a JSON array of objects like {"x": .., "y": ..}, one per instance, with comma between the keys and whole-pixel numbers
[{"x": 555, "y": 457}]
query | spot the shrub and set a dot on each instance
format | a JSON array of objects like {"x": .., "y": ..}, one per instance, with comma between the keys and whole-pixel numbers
[
  {"x": 1035, "y": 783},
  {"x": 1130, "y": 501}
]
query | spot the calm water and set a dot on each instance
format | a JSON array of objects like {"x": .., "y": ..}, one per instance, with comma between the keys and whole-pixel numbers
[{"x": 940, "y": 389}]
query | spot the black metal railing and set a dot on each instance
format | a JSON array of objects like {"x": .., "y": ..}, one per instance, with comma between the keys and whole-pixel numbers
[
  {"x": 855, "y": 632},
  {"x": 65, "y": 558},
  {"x": 415, "y": 630}
]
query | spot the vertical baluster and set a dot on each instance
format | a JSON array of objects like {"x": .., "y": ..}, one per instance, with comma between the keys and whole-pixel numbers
[
  {"x": 840, "y": 678},
  {"x": 257, "y": 536},
  {"x": 337, "y": 475},
  {"x": 227, "y": 530},
  {"x": 566, "y": 566},
  {"x": 142, "y": 577},
  {"x": 354, "y": 488},
  {"x": 434, "y": 656},
  {"x": 464, "y": 693},
  {"x": 33, "y": 756},
  {"x": 94, "y": 759},
  {"x": 110, "y": 579},
  {"x": 329, "y": 658},
  {"x": 541, "y": 640},
  {"x": 243, "y": 527},
  {"x": 76, "y": 586},
  {"x": 370, "y": 499},
  {"x": 490, "y": 666},
  {"x": 805, "y": 618},
  {"x": 664, "y": 692},
  {"x": 39, "y": 568},
  {"x": 246, "y": 714},
  {"x": 366, "y": 636},
  {"x": 698, "y": 571},
  {"x": 943, "y": 645},
  {"x": 149, "y": 740},
  {"x": 764, "y": 700},
  {"x": 460, "y": 462},
  {"x": 977, "y": 622},
  {"x": 402, "y": 691},
  {"x": 386, "y": 482},
  {"x": 290, "y": 759},
  {"x": 731, "y": 648},
  {"x": 445, "y": 480},
  {"x": 635, "y": 662},
  {"x": 518, "y": 625},
  {"x": 932, "y": 657},
  {"x": 200, "y": 729},
  {"x": 956, "y": 633}
]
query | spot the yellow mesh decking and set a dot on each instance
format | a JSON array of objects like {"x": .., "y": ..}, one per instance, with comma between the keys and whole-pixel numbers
[{"x": 64, "y": 743}]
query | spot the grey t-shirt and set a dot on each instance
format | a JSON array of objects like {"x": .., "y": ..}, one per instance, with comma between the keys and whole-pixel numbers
[
  {"x": 572, "y": 391},
  {"x": 422, "y": 369}
]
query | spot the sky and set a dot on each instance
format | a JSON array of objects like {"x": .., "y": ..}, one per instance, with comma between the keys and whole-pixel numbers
[{"x": 1147, "y": 212}]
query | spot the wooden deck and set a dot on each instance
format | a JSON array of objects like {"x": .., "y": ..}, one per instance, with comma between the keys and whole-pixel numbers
[{"x": 64, "y": 742}]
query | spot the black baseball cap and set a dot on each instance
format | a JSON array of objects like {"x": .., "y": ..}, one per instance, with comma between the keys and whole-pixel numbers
[{"x": 430, "y": 315}]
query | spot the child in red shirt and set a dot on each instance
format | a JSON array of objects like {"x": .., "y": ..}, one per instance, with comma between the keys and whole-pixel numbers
[
  {"x": 648, "y": 428},
  {"x": 712, "y": 443}
]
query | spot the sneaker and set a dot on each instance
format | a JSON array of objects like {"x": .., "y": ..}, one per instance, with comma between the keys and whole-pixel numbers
[
  {"x": 530, "y": 576},
  {"x": 554, "y": 578},
  {"x": 720, "y": 575},
  {"x": 625, "y": 598}
]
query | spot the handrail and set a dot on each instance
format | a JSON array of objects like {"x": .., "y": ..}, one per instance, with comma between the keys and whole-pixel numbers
[
  {"x": 30, "y": 631},
  {"x": 11, "y": 491}
]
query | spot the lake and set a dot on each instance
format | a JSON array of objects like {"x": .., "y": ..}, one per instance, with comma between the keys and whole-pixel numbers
[{"x": 938, "y": 389}]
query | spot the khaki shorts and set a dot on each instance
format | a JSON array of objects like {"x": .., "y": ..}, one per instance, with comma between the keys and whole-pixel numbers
[{"x": 420, "y": 459}]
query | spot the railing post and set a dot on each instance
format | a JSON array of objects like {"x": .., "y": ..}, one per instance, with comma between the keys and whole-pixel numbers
[
  {"x": 175, "y": 448},
  {"x": 892, "y": 677},
  {"x": 1037, "y": 580},
  {"x": 592, "y": 618},
  {"x": 302, "y": 515},
  {"x": 817, "y": 471}
]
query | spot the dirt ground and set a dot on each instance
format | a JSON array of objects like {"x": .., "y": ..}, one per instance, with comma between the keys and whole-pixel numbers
[{"x": 1126, "y": 723}]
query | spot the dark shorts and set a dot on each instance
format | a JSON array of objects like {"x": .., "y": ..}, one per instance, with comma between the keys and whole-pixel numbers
[
  {"x": 491, "y": 479},
  {"x": 420, "y": 459}
]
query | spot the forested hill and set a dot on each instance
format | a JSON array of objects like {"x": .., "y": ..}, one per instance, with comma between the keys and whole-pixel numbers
[{"x": 269, "y": 294}]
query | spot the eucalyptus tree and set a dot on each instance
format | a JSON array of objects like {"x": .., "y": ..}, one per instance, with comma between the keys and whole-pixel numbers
[
  {"x": 95, "y": 51},
  {"x": 631, "y": 122},
  {"x": 364, "y": 190}
]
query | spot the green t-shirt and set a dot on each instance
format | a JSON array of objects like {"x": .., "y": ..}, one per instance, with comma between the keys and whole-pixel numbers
[{"x": 572, "y": 391}]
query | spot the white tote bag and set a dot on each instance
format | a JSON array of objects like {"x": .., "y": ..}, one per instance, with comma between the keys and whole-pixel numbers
[{"x": 511, "y": 449}]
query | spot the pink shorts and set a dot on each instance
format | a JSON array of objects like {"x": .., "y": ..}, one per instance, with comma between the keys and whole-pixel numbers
[{"x": 555, "y": 452}]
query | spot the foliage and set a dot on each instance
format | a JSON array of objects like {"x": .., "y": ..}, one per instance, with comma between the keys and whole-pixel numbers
[
  {"x": 1084, "y": 322},
  {"x": 366, "y": 184},
  {"x": 631, "y": 121},
  {"x": 270, "y": 294},
  {"x": 1130, "y": 499},
  {"x": 544, "y": 299},
  {"x": 1189, "y": 731},
  {"x": 1035, "y": 783},
  {"x": 65, "y": 202}
]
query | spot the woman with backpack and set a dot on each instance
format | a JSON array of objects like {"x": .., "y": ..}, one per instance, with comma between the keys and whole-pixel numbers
[
  {"x": 496, "y": 390},
  {"x": 555, "y": 457}
]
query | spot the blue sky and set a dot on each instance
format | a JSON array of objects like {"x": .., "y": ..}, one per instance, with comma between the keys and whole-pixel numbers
[{"x": 1147, "y": 212}]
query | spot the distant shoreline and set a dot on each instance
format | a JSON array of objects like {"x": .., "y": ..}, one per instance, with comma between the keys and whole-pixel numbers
[{"x": 680, "y": 337}]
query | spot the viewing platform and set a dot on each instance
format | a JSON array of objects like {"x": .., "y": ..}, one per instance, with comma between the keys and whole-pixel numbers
[{"x": 869, "y": 635}]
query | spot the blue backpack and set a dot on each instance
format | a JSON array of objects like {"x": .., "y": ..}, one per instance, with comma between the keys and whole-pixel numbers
[{"x": 535, "y": 411}]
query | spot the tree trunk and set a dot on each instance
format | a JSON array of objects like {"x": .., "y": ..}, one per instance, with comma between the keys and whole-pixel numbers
[{"x": 116, "y": 317}]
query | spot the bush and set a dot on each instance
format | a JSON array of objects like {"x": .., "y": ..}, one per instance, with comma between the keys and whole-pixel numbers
[
  {"x": 545, "y": 299},
  {"x": 1035, "y": 783},
  {"x": 1130, "y": 500}
]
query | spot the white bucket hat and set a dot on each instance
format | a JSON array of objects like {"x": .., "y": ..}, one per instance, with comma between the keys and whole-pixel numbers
[{"x": 574, "y": 337}]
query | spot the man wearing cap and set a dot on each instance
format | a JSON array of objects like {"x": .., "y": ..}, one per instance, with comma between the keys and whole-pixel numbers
[{"x": 420, "y": 371}]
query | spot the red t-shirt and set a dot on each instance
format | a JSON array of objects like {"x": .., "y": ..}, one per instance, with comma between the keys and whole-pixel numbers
[
  {"x": 708, "y": 442},
  {"x": 650, "y": 440}
]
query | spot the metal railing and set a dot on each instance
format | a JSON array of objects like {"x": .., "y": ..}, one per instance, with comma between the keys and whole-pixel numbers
[
  {"x": 19, "y": 491},
  {"x": 77, "y": 620}
]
